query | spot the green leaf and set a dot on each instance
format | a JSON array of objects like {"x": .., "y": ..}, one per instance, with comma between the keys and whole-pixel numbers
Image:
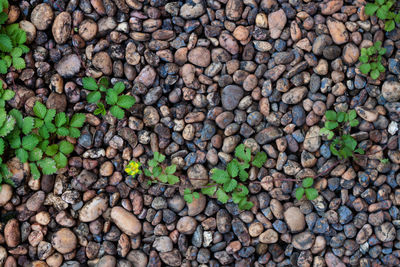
[
  {"x": 17, "y": 116},
  {"x": 147, "y": 172},
  {"x": 3, "y": 15},
  {"x": 308, "y": 182},
  {"x": 259, "y": 159},
  {"x": 51, "y": 113},
  {"x": 230, "y": 185},
  {"x": 365, "y": 68},
  {"x": 354, "y": 123},
  {"x": 117, "y": 112},
  {"x": 219, "y": 176},
  {"x": 370, "y": 9},
  {"x": 126, "y": 101},
  {"x": 119, "y": 87},
  {"x": 382, "y": 12},
  {"x": 196, "y": 195},
  {"x": 8, "y": 95},
  {"x": 2, "y": 145},
  {"x": 24, "y": 48},
  {"x": 209, "y": 190},
  {"x": 188, "y": 198},
  {"x": 236, "y": 198},
  {"x": 36, "y": 154},
  {"x": 40, "y": 110},
  {"x": 34, "y": 171},
  {"x": 89, "y": 83},
  {"x": 243, "y": 153},
  {"x": 27, "y": 125},
  {"x": 48, "y": 166},
  {"x": 3, "y": 67},
  {"x": 78, "y": 120},
  {"x": 66, "y": 147},
  {"x": 159, "y": 157},
  {"x": 233, "y": 168},
  {"x": 5, "y": 43},
  {"x": 8, "y": 126},
  {"x": 16, "y": 52},
  {"x": 359, "y": 151},
  {"x": 173, "y": 179},
  {"x": 311, "y": 193},
  {"x": 43, "y": 145},
  {"x": 381, "y": 68},
  {"x": 330, "y": 115},
  {"x": 111, "y": 97},
  {"x": 242, "y": 190},
  {"x": 157, "y": 171},
  {"x": 341, "y": 116},
  {"x": 103, "y": 81},
  {"x": 22, "y": 154},
  {"x": 170, "y": 169},
  {"x": 352, "y": 114},
  {"x": 152, "y": 163},
  {"x": 74, "y": 132},
  {"x": 18, "y": 63},
  {"x": 60, "y": 119},
  {"x": 29, "y": 142},
  {"x": 245, "y": 205},
  {"x": 61, "y": 160},
  {"x": 51, "y": 150},
  {"x": 330, "y": 125},
  {"x": 363, "y": 59},
  {"x": 299, "y": 193},
  {"x": 222, "y": 196},
  {"x": 375, "y": 74},
  {"x": 93, "y": 97},
  {"x": 62, "y": 131}
]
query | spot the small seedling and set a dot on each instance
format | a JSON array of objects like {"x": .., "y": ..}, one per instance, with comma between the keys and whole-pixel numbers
[
  {"x": 307, "y": 189},
  {"x": 12, "y": 40},
  {"x": 344, "y": 145},
  {"x": 384, "y": 11},
  {"x": 371, "y": 58},
  {"x": 190, "y": 196},
  {"x": 384, "y": 161},
  {"x": 113, "y": 97}
]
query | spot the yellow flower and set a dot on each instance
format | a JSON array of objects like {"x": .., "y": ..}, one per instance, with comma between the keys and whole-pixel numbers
[{"x": 132, "y": 168}]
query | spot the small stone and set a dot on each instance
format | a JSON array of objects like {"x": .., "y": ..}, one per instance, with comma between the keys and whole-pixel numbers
[
  {"x": 192, "y": 10},
  {"x": 385, "y": 232},
  {"x": 338, "y": 31},
  {"x": 12, "y": 233},
  {"x": 312, "y": 140},
  {"x": 303, "y": 241},
  {"x": 146, "y": 76},
  {"x": 295, "y": 95},
  {"x": 333, "y": 261},
  {"x": 186, "y": 225},
  {"x": 199, "y": 56},
  {"x": 197, "y": 206},
  {"x": 88, "y": 29},
  {"x": 93, "y": 209},
  {"x": 197, "y": 175},
  {"x": 64, "y": 241},
  {"x": 163, "y": 244},
  {"x": 103, "y": 62},
  {"x": 68, "y": 66},
  {"x": 42, "y": 16},
  {"x": 295, "y": 220},
  {"x": 269, "y": 237},
  {"x": 61, "y": 28},
  {"x": 126, "y": 221},
  {"x": 277, "y": 21},
  {"x": 6, "y": 194},
  {"x": 391, "y": 91},
  {"x": 231, "y": 96},
  {"x": 234, "y": 9}
]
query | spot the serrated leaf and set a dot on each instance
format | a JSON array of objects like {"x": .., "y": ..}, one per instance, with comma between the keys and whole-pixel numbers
[
  {"x": 48, "y": 166},
  {"x": 354, "y": 123},
  {"x": 62, "y": 131},
  {"x": 365, "y": 68},
  {"x": 196, "y": 195},
  {"x": 16, "y": 52},
  {"x": 172, "y": 179},
  {"x": 40, "y": 110},
  {"x": 8, "y": 126},
  {"x": 89, "y": 83},
  {"x": 24, "y": 48},
  {"x": 117, "y": 112},
  {"x": 222, "y": 196},
  {"x": 308, "y": 182},
  {"x": 126, "y": 101},
  {"x": 359, "y": 151},
  {"x": 259, "y": 159},
  {"x": 103, "y": 81},
  {"x": 61, "y": 160},
  {"x": 147, "y": 172},
  {"x": 60, "y": 119},
  {"x": 170, "y": 169},
  {"x": 157, "y": 172},
  {"x": 3, "y": 66},
  {"x": 370, "y": 9},
  {"x": 51, "y": 150},
  {"x": 50, "y": 114},
  {"x": 66, "y": 147},
  {"x": 43, "y": 145},
  {"x": 311, "y": 193},
  {"x": 230, "y": 185},
  {"x": 242, "y": 190},
  {"x": 3, "y": 15},
  {"x": 36, "y": 154},
  {"x": 188, "y": 198},
  {"x": 93, "y": 97},
  {"x": 119, "y": 87},
  {"x": 2, "y": 145},
  {"x": 330, "y": 125},
  {"x": 245, "y": 205},
  {"x": 299, "y": 193},
  {"x": 5, "y": 43},
  {"x": 111, "y": 97},
  {"x": 243, "y": 153},
  {"x": 330, "y": 115},
  {"x": 22, "y": 155},
  {"x": 209, "y": 190},
  {"x": 34, "y": 171},
  {"x": 17, "y": 116},
  {"x": 8, "y": 95},
  {"x": 220, "y": 176},
  {"x": 243, "y": 175},
  {"x": 29, "y": 142},
  {"x": 18, "y": 63},
  {"x": 27, "y": 125},
  {"x": 233, "y": 168},
  {"x": 78, "y": 120},
  {"x": 236, "y": 198},
  {"x": 74, "y": 132},
  {"x": 375, "y": 74},
  {"x": 152, "y": 163}
]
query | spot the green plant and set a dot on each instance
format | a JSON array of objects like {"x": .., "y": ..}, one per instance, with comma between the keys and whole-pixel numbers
[
  {"x": 371, "y": 58},
  {"x": 5, "y": 95},
  {"x": 158, "y": 172},
  {"x": 339, "y": 124},
  {"x": 384, "y": 161},
  {"x": 12, "y": 40},
  {"x": 384, "y": 11},
  {"x": 229, "y": 183},
  {"x": 36, "y": 140},
  {"x": 189, "y": 195},
  {"x": 113, "y": 97},
  {"x": 310, "y": 192}
]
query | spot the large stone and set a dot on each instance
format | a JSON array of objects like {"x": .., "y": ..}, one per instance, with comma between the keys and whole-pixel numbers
[
  {"x": 6, "y": 194},
  {"x": 64, "y": 241},
  {"x": 338, "y": 31},
  {"x": 234, "y": 9},
  {"x": 126, "y": 221},
  {"x": 68, "y": 66},
  {"x": 295, "y": 95},
  {"x": 61, "y": 28},
  {"x": 303, "y": 241},
  {"x": 192, "y": 9},
  {"x": 268, "y": 135},
  {"x": 93, "y": 209},
  {"x": 312, "y": 141},
  {"x": 391, "y": 91},
  {"x": 295, "y": 220},
  {"x": 276, "y": 21},
  {"x": 198, "y": 175},
  {"x": 231, "y": 96}
]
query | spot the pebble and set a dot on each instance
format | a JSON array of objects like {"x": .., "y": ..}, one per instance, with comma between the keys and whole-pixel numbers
[
  {"x": 64, "y": 241},
  {"x": 126, "y": 221}
]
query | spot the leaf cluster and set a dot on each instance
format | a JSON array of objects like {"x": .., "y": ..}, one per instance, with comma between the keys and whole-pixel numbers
[
  {"x": 12, "y": 40},
  {"x": 5, "y": 95},
  {"x": 310, "y": 192},
  {"x": 383, "y": 9},
  {"x": 158, "y": 172},
  {"x": 228, "y": 183},
  {"x": 189, "y": 195},
  {"x": 371, "y": 59},
  {"x": 343, "y": 145},
  {"x": 113, "y": 98}
]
